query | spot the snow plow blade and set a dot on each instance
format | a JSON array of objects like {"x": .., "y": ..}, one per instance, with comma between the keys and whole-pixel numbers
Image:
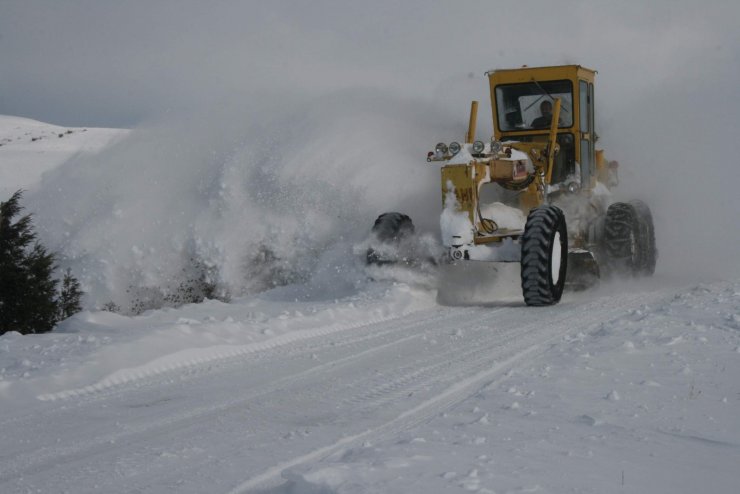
[{"x": 476, "y": 283}]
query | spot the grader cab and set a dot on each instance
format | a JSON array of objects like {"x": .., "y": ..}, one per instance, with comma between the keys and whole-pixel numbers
[{"x": 537, "y": 192}]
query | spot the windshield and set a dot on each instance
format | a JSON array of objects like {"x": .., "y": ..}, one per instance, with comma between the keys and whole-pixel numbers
[{"x": 529, "y": 105}]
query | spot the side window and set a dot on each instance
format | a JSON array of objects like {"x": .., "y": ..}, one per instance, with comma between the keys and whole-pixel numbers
[
  {"x": 592, "y": 103},
  {"x": 586, "y": 162},
  {"x": 592, "y": 107},
  {"x": 583, "y": 106},
  {"x": 585, "y": 92}
]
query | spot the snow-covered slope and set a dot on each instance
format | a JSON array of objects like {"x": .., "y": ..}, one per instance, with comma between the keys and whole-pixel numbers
[{"x": 28, "y": 148}]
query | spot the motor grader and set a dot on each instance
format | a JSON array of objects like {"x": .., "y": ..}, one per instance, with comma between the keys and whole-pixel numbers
[{"x": 537, "y": 193}]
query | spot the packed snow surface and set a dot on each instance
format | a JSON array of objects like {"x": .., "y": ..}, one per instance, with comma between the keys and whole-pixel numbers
[
  {"x": 382, "y": 391},
  {"x": 352, "y": 381}
]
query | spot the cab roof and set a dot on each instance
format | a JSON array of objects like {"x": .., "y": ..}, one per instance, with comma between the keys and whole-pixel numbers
[{"x": 551, "y": 72}]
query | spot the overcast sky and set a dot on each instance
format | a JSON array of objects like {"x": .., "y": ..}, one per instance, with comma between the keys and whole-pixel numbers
[{"x": 116, "y": 63}]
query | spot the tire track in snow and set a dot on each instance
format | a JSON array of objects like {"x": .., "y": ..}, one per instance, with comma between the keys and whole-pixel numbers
[
  {"x": 368, "y": 332},
  {"x": 473, "y": 369},
  {"x": 199, "y": 357},
  {"x": 484, "y": 353},
  {"x": 463, "y": 357}
]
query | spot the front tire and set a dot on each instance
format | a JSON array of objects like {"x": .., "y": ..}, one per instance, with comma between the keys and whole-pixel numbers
[
  {"x": 648, "y": 255},
  {"x": 544, "y": 256}
]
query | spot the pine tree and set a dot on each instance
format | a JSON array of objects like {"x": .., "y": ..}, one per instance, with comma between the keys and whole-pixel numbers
[
  {"x": 69, "y": 297},
  {"x": 28, "y": 302}
]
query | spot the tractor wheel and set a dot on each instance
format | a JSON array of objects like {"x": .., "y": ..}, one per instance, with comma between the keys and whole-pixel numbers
[
  {"x": 544, "y": 256},
  {"x": 389, "y": 228},
  {"x": 629, "y": 238},
  {"x": 648, "y": 253}
]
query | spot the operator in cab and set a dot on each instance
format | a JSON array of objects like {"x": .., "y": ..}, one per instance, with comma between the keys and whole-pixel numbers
[{"x": 543, "y": 121}]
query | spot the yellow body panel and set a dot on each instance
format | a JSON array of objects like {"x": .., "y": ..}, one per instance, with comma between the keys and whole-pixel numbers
[
  {"x": 467, "y": 179},
  {"x": 465, "y": 185}
]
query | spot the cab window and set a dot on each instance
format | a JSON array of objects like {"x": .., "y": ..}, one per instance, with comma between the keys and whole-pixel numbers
[{"x": 524, "y": 106}]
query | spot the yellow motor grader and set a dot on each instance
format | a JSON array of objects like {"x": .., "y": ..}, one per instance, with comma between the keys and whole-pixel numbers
[{"x": 538, "y": 192}]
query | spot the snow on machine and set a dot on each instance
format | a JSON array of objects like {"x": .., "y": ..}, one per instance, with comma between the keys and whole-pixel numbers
[{"x": 535, "y": 199}]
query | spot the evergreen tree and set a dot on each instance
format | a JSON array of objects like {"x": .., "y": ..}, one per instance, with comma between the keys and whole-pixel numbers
[
  {"x": 28, "y": 302},
  {"x": 69, "y": 297}
]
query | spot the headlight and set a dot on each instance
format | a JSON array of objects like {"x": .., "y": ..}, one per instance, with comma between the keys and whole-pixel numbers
[
  {"x": 496, "y": 146},
  {"x": 478, "y": 147},
  {"x": 441, "y": 148},
  {"x": 454, "y": 147}
]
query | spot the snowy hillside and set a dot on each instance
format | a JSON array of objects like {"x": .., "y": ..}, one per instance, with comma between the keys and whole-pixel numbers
[
  {"x": 342, "y": 380},
  {"x": 29, "y": 148}
]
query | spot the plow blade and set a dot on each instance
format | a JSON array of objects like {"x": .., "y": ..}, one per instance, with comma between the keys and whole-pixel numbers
[{"x": 478, "y": 282}]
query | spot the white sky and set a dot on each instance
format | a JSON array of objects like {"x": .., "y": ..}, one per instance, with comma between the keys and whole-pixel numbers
[{"x": 109, "y": 63}]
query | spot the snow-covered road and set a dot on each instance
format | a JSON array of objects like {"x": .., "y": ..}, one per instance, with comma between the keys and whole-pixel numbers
[
  {"x": 246, "y": 421},
  {"x": 349, "y": 381}
]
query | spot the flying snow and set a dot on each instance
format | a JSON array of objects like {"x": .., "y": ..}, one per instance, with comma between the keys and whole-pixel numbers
[{"x": 234, "y": 202}]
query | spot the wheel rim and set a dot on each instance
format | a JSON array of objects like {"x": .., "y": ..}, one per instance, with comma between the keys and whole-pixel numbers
[{"x": 556, "y": 258}]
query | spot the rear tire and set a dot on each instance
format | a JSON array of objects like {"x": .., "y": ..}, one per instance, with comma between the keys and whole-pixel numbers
[
  {"x": 629, "y": 238},
  {"x": 544, "y": 256},
  {"x": 648, "y": 254},
  {"x": 389, "y": 228}
]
